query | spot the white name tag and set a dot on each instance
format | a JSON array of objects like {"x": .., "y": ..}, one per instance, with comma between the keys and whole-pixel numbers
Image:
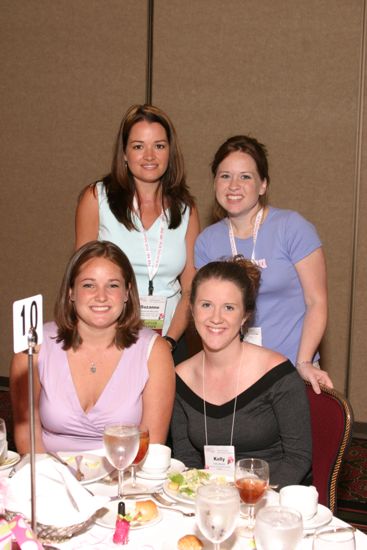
[
  {"x": 152, "y": 311},
  {"x": 254, "y": 336},
  {"x": 220, "y": 458},
  {"x": 27, "y": 313}
]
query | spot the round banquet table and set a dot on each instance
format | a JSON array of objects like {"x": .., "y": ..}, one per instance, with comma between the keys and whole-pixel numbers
[{"x": 165, "y": 534}]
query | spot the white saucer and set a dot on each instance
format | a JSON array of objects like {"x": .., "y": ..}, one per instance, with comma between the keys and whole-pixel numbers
[
  {"x": 12, "y": 460},
  {"x": 322, "y": 517},
  {"x": 176, "y": 466}
]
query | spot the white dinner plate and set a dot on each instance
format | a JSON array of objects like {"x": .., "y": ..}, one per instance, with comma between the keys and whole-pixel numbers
[
  {"x": 93, "y": 467},
  {"x": 176, "y": 466},
  {"x": 12, "y": 460},
  {"x": 109, "y": 518},
  {"x": 322, "y": 517}
]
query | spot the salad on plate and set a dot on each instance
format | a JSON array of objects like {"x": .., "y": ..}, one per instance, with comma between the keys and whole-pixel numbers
[{"x": 185, "y": 484}]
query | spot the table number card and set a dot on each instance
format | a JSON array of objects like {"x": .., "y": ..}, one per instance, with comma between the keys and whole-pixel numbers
[{"x": 27, "y": 313}]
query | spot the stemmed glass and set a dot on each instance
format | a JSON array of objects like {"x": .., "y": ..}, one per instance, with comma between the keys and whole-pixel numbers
[
  {"x": 334, "y": 538},
  {"x": 121, "y": 444},
  {"x": 278, "y": 528},
  {"x": 142, "y": 451},
  {"x": 252, "y": 480},
  {"x": 217, "y": 512},
  {"x": 3, "y": 442}
]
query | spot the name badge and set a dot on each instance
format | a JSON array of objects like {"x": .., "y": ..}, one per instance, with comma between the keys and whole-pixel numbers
[
  {"x": 152, "y": 311},
  {"x": 220, "y": 458},
  {"x": 254, "y": 336}
]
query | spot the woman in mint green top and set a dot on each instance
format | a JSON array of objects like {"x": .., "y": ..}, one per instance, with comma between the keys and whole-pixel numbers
[{"x": 144, "y": 206}]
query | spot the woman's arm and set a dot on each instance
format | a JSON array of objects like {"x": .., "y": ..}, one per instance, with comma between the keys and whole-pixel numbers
[
  {"x": 180, "y": 318},
  {"x": 19, "y": 402},
  {"x": 312, "y": 274},
  {"x": 159, "y": 392},
  {"x": 86, "y": 217}
]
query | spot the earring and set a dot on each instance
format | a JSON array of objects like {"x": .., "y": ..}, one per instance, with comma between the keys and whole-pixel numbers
[{"x": 242, "y": 334}]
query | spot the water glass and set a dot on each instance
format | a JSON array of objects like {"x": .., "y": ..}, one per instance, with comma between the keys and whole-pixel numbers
[
  {"x": 217, "y": 512},
  {"x": 278, "y": 528},
  {"x": 121, "y": 444},
  {"x": 334, "y": 538}
]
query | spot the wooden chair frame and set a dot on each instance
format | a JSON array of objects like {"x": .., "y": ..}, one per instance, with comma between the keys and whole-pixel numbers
[{"x": 344, "y": 440}]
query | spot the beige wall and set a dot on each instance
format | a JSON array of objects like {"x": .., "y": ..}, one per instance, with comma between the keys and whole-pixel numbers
[{"x": 288, "y": 72}]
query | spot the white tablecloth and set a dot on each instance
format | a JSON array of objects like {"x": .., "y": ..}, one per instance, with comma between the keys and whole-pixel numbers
[{"x": 165, "y": 534}]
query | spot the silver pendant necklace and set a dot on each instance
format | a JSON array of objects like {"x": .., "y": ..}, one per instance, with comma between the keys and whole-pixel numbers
[{"x": 93, "y": 367}]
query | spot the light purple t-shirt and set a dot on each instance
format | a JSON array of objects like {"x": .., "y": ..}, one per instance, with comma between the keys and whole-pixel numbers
[
  {"x": 65, "y": 426},
  {"x": 284, "y": 239}
]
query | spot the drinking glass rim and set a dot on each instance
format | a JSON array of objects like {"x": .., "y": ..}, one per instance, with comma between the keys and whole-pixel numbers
[
  {"x": 224, "y": 492},
  {"x": 334, "y": 529},
  {"x": 267, "y": 509},
  {"x": 255, "y": 462},
  {"x": 133, "y": 427}
]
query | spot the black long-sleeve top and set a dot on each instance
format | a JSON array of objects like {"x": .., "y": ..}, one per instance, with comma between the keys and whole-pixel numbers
[{"x": 272, "y": 422}]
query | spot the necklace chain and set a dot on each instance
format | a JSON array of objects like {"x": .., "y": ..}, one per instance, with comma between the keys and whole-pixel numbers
[{"x": 235, "y": 399}]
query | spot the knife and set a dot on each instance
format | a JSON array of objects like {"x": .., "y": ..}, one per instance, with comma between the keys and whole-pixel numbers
[{"x": 59, "y": 459}]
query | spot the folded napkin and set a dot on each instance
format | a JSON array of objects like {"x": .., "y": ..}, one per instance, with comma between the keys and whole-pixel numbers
[{"x": 58, "y": 495}]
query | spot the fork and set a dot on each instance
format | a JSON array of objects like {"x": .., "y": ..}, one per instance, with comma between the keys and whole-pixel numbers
[
  {"x": 79, "y": 474},
  {"x": 168, "y": 505},
  {"x": 186, "y": 514}
]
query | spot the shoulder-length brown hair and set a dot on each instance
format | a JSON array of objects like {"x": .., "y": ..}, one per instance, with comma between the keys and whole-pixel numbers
[
  {"x": 120, "y": 186},
  {"x": 128, "y": 324},
  {"x": 250, "y": 146}
]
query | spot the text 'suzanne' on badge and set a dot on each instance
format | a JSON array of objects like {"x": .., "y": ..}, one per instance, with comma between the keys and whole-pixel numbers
[{"x": 27, "y": 314}]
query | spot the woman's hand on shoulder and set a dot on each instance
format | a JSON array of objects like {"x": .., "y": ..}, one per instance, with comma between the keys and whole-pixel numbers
[
  {"x": 86, "y": 217},
  {"x": 315, "y": 376}
]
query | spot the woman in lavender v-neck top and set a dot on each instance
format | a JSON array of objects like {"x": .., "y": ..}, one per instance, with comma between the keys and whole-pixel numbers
[
  {"x": 96, "y": 364},
  {"x": 65, "y": 425}
]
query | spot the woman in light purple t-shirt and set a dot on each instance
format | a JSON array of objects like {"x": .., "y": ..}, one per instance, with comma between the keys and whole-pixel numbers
[
  {"x": 291, "y": 308},
  {"x": 96, "y": 364}
]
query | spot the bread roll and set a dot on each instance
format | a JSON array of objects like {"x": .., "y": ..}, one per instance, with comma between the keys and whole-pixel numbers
[
  {"x": 189, "y": 542},
  {"x": 146, "y": 509}
]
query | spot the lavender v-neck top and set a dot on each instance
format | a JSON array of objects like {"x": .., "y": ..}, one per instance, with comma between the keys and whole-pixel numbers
[{"x": 65, "y": 425}]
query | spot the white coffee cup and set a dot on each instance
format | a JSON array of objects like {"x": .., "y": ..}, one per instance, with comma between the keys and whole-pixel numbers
[
  {"x": 302, "y": 498},
  {"x": 157, "y": 460}
]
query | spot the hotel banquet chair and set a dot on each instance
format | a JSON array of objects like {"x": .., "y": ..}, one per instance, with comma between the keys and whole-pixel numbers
[
  {"x": 6, "y": 414},
  {"x": 331, "y": 425}
]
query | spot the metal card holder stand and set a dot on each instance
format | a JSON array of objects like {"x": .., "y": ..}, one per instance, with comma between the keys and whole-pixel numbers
[{"x": 32, "y": 342}]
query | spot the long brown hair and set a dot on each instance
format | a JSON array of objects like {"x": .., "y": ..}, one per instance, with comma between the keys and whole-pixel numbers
[
  {"x": 120, "y": 186},
  {"x": 128, "y": 324}
]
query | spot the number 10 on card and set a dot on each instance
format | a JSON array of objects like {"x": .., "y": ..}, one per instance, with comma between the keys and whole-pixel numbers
[{"x": 27, "y": 313}]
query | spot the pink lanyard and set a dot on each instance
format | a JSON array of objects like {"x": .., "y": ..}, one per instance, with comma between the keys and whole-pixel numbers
[
  {"x": 255, "y": 232},
  {"x": 152, "y": 267}
]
